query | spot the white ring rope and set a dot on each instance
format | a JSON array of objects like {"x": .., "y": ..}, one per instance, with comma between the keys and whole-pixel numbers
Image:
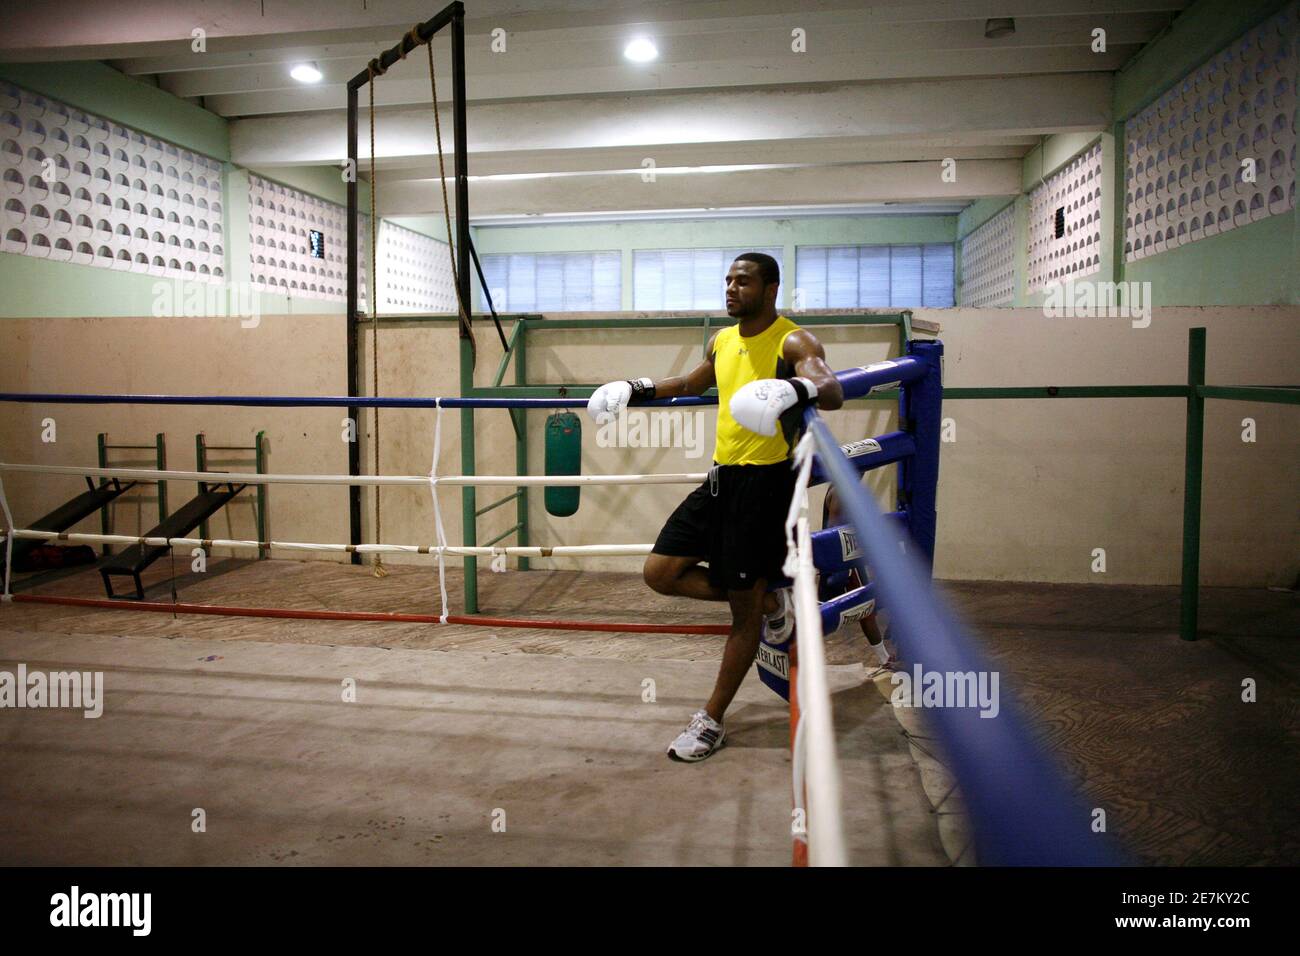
[
  {"x": 558, "y": 551},
  {"x": 437, "y": 509},
  {"x": 254, "y": 478},
  {"x": 816, "y": 765}
]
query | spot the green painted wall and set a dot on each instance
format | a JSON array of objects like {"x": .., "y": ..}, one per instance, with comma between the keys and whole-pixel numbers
[
  {"x": 324, "y": 182},
  {"x": 435, "y": 227},
  {"x": 1255, "y": 264},
  {"x": 100, "y": 89},
  {"x": 35, "y": 287},
  {"x": 1251, "y": 265},
  {"x": 1199, "y": 32},
  {"x": 980, "y": 212},
  {"x": 1258, "y": 264}
]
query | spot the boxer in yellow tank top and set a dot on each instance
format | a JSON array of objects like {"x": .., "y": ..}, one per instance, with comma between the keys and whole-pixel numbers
[
  {"x": 737, "y": 361},
  {"x": 765, "y": 368}
]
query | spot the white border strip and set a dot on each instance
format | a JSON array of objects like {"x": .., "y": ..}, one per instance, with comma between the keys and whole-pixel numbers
[
  {"x": 559, "y": 551},
  {"x": 253, "y": 478}
]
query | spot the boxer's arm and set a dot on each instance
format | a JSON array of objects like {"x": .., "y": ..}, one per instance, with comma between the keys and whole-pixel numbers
[{"x": 805, "y": 353}]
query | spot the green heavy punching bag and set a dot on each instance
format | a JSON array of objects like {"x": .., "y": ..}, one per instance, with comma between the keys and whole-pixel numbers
[{"x": 563, "y": 457}]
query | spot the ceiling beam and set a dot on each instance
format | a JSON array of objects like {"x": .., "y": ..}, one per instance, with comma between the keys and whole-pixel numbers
[
  {"x": 113, "y": 29},
  {"x": 1015, "y": 106},
  {"x": 861, "y": 183}
]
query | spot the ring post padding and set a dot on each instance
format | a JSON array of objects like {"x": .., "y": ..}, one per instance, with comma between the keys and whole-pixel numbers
[
  {"x": 921, "y": 408},
  {"x": 836, "y": 548},
  {"x": 848, "y": 607},
  {"x": 869, "y": 453}
]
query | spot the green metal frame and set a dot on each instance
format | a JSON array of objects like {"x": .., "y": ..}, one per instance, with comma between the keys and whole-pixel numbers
[
  {"x": 517, "y": 349},
  {"x": 1195, "y": 392},
  {"x": 159, "y": 448},
  {"x": 258, "y": 448}
]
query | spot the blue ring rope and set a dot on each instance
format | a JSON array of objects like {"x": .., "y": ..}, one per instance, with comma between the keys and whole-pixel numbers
[{"x": 1022, "y": 811}]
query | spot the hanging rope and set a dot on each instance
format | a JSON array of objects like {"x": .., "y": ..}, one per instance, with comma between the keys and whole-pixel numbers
[{"x": 374, "y": 70}]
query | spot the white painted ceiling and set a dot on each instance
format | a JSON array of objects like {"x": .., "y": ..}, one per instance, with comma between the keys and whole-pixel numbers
[{"x": 561, "y": 125}]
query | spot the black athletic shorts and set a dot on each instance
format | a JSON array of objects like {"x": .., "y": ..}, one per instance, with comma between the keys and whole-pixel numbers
[{"x": 736, "y": 522}]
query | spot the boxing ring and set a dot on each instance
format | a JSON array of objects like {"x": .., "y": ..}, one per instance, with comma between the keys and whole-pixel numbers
[{"x": 1021, "y": 809}]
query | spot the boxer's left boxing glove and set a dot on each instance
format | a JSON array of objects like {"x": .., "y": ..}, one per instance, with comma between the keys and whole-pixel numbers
[{"x": 759, "y": 405}]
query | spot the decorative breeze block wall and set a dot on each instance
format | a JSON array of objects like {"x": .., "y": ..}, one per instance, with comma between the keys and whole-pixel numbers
[
  {"x": 280, "y": 222},
  {"x": 988, "y": 262},
  {"x": 414, "y": 272},
  {"x": 81, "y": 188},
  {"x": 1185, "y": 177},
  {"x": 1069, "y": 202}
]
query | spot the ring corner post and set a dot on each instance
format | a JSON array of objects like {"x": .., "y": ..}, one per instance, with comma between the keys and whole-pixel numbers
[
  {"x": 1189, "y": 603},
  {"x": 353, "y": 358},
  {"x": 460, "y": 147},
  {"x": 921, "y": 408}
]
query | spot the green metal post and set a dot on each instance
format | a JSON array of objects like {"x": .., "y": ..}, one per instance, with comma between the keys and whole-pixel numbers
[
  {"x": 1190, "y": 603},
  {"x": 467, "y": 501},
  {"x": 160, "y": 453},
  {"x": 521, "y": 439},
  {"x": 102, "y": 441},
  {"x": 261, "y": 495},
  {"x": 904, "y": 332}
]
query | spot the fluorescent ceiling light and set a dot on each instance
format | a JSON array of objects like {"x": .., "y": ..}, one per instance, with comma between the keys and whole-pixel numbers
[
  {"x": 305, "y": 73},
  {"x": 641, "y": 50}
]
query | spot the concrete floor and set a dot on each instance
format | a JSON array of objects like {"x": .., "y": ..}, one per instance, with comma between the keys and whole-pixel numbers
[{"x": 245, "y": 719}]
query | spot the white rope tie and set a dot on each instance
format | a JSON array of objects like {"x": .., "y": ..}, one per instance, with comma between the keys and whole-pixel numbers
[
  {"x": 437, "y": 510},
  {"x": 803, "y": 460}
]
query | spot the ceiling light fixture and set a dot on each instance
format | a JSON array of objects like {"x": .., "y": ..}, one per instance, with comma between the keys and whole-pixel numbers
[
  {"x": 305, "y": 73},
  {"x": 641, "y": 50}
]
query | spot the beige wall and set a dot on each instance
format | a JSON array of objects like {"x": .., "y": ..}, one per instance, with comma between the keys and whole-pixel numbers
[{"x": 1028, "y": 489}]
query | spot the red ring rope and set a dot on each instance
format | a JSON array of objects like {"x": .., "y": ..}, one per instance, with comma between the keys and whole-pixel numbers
[{"x": 227, "y": 611}]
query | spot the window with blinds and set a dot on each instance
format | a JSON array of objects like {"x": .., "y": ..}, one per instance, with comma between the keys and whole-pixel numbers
[
  {"x": 684, "y": 278},
  {"x": 555, "y": 282},
  {"x": 850, "y": 277}
]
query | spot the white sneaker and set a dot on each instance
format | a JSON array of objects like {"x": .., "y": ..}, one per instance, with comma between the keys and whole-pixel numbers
[
  {"x": 702, "y": 736},
  {"x": 780, "y": 623}
]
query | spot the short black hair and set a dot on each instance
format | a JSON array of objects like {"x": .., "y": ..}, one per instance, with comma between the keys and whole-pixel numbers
[{"x": 767, "y": 267}]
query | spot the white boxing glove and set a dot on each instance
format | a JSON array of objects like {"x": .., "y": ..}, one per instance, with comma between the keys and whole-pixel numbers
[
  {"x": 759, "y": 405},
  {"x": 612, "y": 398}
]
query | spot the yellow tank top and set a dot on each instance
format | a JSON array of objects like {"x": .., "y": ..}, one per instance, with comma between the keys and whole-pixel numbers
[{"x": 738, "y": 361}]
